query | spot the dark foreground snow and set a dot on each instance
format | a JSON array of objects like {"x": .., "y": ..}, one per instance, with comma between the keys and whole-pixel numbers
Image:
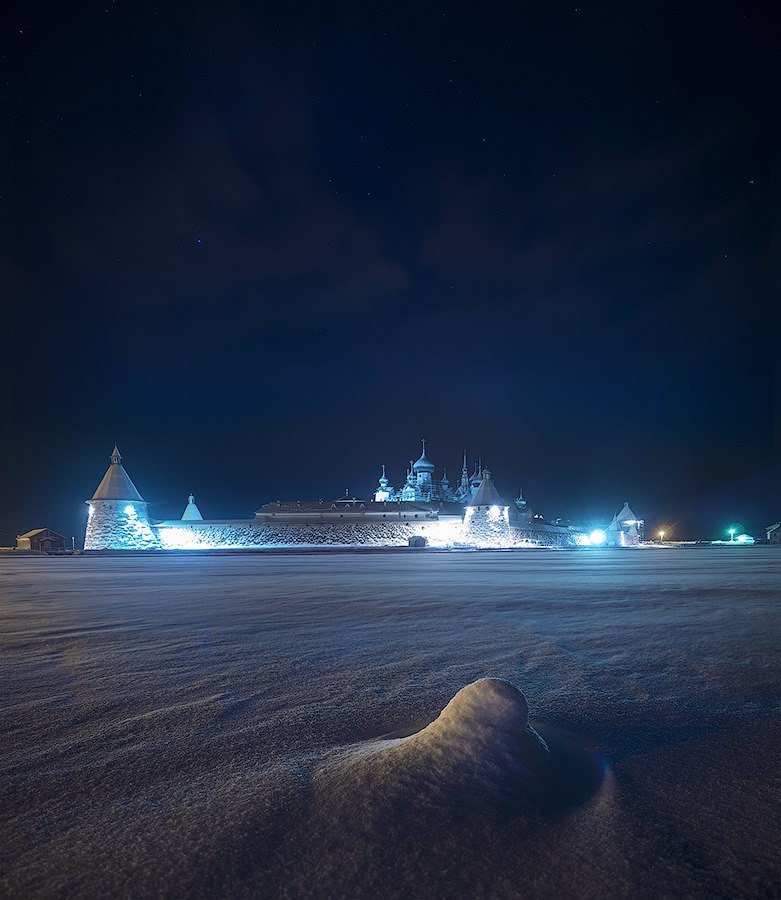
[{"x": 233, "y": 725}]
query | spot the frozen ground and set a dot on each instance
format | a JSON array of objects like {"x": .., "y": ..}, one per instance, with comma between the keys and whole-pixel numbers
[{"x": 232, "y": 725}]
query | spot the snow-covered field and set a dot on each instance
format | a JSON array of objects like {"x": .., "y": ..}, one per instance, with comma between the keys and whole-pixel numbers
[{"x": 233, "y": 726}]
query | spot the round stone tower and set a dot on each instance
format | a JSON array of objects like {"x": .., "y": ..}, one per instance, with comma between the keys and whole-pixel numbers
[
  {"x": 486, "y": 521},
  {"x": 118, "y": 517}
]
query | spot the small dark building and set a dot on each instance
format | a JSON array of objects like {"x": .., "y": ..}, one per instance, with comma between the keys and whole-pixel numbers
[{"x": 40, "y": 539}]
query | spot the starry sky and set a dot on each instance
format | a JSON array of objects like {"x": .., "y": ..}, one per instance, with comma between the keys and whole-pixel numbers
[{"x": 267, "y": 248}]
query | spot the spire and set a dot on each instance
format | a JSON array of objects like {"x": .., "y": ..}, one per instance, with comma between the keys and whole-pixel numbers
[
  {"x": 116, "y": 483},
  {"x": 191, "y": 512},
  {"x": 464, "y": 477}
]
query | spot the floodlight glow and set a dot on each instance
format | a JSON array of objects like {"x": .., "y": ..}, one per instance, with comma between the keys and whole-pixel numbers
[
  {"x": 130, "y": 510},
  {"x": 745, "y": 539},
  {"x": 187, "y": 539},
  {"x": 91, "y": 510},
  {"x": 444, "y": 533},
  {"x": 494, "y": 512},
  {"x": 597, "y": 537}
]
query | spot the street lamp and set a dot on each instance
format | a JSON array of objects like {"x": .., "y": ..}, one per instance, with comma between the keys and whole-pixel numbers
[
  {"x": 732, "y": 535},
  {"x": 661, "y": 534}
]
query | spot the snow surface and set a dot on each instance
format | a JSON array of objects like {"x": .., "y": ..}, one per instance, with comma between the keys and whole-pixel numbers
[{"x": 272, "y": 725}]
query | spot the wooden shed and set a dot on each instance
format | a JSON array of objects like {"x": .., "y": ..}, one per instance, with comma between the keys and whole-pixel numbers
[{"x": 40, "y": 539}]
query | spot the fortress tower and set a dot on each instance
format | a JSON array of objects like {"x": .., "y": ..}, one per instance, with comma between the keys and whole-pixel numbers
[
  {"x": 486, "y": 520},
  {"x": 625, "y": 530},
  {"x": 118, "y": 518}
]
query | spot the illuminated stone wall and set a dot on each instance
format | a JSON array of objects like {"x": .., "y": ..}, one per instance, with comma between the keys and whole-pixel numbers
[
  {"x": 119, "y": 525},
  {"x": 488, "y": 527},
  {"x": 122, "y": 525},
  {"x": 484, "y": 531},
  {"x": 531, "y": 537},
  {"x": 246, "y": 535}
]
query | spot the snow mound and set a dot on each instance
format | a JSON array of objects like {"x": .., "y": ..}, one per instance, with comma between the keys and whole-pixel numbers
[
  {"x": 485, "y": 724},
  {"x": 480, "y": 751}
]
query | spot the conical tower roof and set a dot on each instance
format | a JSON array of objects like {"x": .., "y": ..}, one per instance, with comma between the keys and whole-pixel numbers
[
  {"x": 626, "y": 514},
  {"x": 486, "y": 494},
  {"x": 191, "y": 512},
  {"x": 116, "y": 483}
]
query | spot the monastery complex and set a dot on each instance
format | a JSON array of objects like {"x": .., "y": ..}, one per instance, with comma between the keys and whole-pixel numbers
[{"x": 424, "y": 511}]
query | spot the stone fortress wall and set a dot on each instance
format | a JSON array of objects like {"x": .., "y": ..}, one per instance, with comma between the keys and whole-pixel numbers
[
  {"x": 248, "y": 535},
  {"x": 118, "y": 519},
  {"x": 440, "y": 534}
]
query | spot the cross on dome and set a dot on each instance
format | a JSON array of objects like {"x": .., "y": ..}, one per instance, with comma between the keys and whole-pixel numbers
[{"x": 423, "y": 464}]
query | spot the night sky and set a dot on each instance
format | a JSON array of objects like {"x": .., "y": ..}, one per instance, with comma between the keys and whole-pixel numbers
[{"x": 265, "y": 250}]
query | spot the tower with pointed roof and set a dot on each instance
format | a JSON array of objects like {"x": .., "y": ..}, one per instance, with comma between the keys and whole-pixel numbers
[
  {"x": 625, "y": 529},
  {"x": 118, "y": 517},
  {"x": 486, "y": 519},
  {"x": 464, "y": 490},
  {"x": 191, "y": 512},
  {"x": 477, "y": 477}
]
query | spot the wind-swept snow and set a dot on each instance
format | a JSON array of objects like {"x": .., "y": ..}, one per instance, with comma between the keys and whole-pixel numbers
[{"x": 348, "y": 725}]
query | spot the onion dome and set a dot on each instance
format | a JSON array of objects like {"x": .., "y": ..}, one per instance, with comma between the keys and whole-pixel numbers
[
  {"x": 423, "y": 464},
  {"x": 383, "y": 479}
]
